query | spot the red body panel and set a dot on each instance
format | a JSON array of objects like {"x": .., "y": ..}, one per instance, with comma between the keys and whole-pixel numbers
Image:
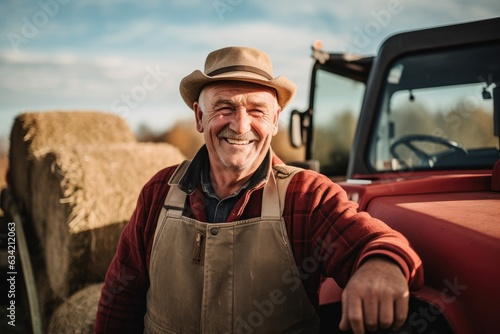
[{"x": 453, "y": 222}]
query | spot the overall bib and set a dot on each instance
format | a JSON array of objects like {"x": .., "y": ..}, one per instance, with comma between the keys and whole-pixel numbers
[{"x": 236, "y": 277}]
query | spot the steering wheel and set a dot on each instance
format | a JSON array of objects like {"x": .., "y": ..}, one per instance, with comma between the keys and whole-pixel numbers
[{"x": 426, "y": 159}]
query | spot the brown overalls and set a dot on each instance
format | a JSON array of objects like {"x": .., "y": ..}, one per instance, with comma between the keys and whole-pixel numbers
[{"x": 235, "y": 277}]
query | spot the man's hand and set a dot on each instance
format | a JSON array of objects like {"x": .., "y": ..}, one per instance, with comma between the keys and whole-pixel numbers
[{"x": 376, "y": 297}]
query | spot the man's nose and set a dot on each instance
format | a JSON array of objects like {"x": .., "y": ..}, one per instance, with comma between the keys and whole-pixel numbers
[{"x": 241, "y": 122}]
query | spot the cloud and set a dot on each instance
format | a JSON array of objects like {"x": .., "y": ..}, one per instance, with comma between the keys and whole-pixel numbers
[
  {"x": 130, "y": 33},
  {"x": 69, "y": 77},
  {"x": 93, "y": 52},
  {"x": 140, "y": 90}
]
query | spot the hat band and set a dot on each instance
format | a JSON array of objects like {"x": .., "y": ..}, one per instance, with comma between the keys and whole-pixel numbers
[{"x": 240, "y": 68}]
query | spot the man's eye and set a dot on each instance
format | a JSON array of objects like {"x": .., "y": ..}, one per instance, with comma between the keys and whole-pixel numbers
[
  {"x": 225, "y": 110},
  {"x": 256, "y": 112}
]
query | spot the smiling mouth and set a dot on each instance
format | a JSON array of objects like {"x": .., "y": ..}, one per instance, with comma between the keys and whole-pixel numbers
[
  {"x": 237, "y": 141},
  {"x": 234, "y": 138}
]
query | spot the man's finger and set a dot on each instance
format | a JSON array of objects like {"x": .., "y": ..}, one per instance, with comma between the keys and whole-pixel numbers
[
  {"x": 401, "y": 307},
  {"x": 344, "y": 324},
  {"x": 352, "y": 315},
  {"x": 371, "y": 313},
  {"x": 386, "y": 315}
]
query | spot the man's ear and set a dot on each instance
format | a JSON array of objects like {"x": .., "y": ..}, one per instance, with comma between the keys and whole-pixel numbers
[
  {"x": 276, "y": 121},
  {"x": 198, "y": 114}
]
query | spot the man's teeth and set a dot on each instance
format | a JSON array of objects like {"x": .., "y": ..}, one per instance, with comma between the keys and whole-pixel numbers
[{"x": 237, "y": 142}]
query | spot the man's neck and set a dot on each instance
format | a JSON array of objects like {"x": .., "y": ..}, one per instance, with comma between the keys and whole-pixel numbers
[{"x": 225, "y": 184}]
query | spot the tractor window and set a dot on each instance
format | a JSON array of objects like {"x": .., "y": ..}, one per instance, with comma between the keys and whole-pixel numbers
[
  {"x": 437, "y": 112},
  {"x": 337, "y": 103}
]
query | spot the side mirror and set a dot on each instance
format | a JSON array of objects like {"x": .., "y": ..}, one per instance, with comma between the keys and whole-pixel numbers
[{"x": 296, "y": 129}]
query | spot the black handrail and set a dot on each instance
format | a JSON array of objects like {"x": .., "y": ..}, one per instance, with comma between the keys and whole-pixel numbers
[{"x": 9, "y": 206}]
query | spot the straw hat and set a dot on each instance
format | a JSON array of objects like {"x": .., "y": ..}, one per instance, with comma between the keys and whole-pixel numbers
[{"x": 238, "y": 64}]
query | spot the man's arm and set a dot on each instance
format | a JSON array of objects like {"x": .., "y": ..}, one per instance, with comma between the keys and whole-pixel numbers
[{"x": 371, "y": 261}]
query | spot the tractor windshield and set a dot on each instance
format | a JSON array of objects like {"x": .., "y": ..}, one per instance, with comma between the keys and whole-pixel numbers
[{"x": 437, "y": 112}]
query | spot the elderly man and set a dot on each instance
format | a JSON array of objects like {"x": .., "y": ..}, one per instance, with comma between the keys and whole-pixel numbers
[{"x": 235, "y": 241}]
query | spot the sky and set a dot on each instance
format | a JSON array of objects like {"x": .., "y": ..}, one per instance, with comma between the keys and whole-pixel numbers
[{"x": 127, "y": 57}]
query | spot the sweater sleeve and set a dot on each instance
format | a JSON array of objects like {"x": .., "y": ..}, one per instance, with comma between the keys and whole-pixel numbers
[{"x": 341, "y": 237}]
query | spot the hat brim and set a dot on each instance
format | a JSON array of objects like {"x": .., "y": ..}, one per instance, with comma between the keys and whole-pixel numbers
[{"x": 191, "y": 85}]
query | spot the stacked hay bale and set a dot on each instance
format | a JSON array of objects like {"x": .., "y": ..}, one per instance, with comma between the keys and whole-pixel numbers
[
  {"x": 77, "y": 313},
  {"x": 78, "y": 176},
  {"x": 34, "y": 134},
  {"x": 86, "y": 195}
]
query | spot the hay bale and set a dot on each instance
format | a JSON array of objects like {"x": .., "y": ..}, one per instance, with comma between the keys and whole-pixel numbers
[
  {"x": 84, "y": 196},
  {"x": 34, "y": 134},
  {"x": 76, "y": 315}
]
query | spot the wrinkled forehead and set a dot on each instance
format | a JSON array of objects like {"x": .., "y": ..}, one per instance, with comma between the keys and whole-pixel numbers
[{"x": 236, "y": 87}]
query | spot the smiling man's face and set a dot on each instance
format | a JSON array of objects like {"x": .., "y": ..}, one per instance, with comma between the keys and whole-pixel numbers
[{"x": 238, "y": 120}]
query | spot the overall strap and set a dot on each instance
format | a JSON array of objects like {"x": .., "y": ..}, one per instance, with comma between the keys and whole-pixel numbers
[
  {"x": 175, "y": 199},
  {"x": 284, "y": 175},
  {"x": 179, "y": 173},
  {"x": 273, "y": 198}
]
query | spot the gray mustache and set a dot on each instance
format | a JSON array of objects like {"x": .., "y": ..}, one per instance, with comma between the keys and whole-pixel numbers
[{"x": 228, "y": 133}]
